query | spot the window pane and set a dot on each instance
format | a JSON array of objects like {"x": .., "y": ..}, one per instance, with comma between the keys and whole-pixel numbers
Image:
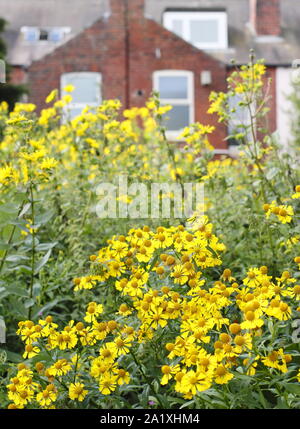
[
  {"x": 173, "y": 87},
  {"x": 177, "y": 27},
  {"x": 177, "y": 118},
  {"x": 86, "y": 89},
  {"x": 31, "y": 35},
  {"x": 72, "y": 112},
  {"x": 239, "y": 118},
  {"x": 55, "y": 35},
  {"x": 241, "y": 113},
  {"x": 44, "y": 35},
  {"x": 204, "y": 31}
]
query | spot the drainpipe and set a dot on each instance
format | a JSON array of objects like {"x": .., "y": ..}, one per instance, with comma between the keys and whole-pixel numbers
[{"x": 127, "y": 55}]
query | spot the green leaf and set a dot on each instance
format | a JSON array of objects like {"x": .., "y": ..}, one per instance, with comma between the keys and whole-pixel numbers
[
  {"x": 25, "y": 209},
  {"x": 17, "y": 258},
  {"x": 44, "y": 218},
  {"x": 20, "y": 310},
  {"x": 3, "y": 292},
  {"x": 46, "y": 308},
  {"x": 29, "y": 303},
  {"x": 42, "y": 262},
  {"x": 9, "y": 208},
  {"x": 13, "y": 357},
  {"x": 37, "y": 287},
  {"x": 4, "y": 246},
  {"x": 187, "y": 404},
  {"x": 156, "y": 386},
  {"x": 292, "y": 388},
  {"x": 42, "y": 247},
  {"x": 17, "y": 290},
  {"x": 262, "y": 399}
]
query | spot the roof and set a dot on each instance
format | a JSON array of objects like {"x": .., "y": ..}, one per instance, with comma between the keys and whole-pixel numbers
[
  {"x": 76, "y": 14},
  {"x": 80, "y": 14},
  {"x": 275, "y": 51}
]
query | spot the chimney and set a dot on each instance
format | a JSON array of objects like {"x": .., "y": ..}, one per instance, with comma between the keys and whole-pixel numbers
[
  {"x": 135, "y": 8},
  {"x": 265, "y": 17}
]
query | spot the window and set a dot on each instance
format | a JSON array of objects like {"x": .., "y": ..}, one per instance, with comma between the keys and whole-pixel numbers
[
  {"x": 35, "y": 34},
  {"x": 240, "y": 120},
  {"x": 30, "y": 34},
  {"x": 176, "y": 88},
  {"x": 87, "y": 91},
  {"x": 57, "y": 34},
  {"x": 44, "y": 34},
  {"x": 205, "y": 30}
]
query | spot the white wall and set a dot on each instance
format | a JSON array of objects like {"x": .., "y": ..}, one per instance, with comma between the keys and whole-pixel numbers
[{"x": 283, "y": 88}]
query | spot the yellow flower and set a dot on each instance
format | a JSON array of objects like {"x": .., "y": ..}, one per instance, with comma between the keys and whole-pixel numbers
[
  {"x": 52, "y": 96},
  {"x": 121, "y": 345},
  {"x": 297, "y": 193},
  {"x": 108, "y": 384},
  {"x": 285, "y": 214},
  {"x": 69, "y": 88},
  {"x": 30, "y": 351},
  {"x": 180, "y": 274},
  {"x": 48, "y": 163},
  {"x": 195, "y": 381},
  {"x": 276, "y": 359},
  {"x": 77, "y": 392},
  {"x": 222, "y": 375},
  {"x": 250, "y": 367},
  {"x": 252, "y": 321},
  {"x": 123, "y": 376},
  {"x": 6, "y": 173},
  {"x": 168, "y": 373},
  {"x": 59, "y": 368},
  {"x": 47, "y": 396},
  {"x": 243, "y": 342},
  {"x": 93, "y": 311}
]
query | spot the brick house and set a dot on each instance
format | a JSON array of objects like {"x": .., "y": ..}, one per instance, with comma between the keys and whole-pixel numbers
[{"x": 126, "y": 48}]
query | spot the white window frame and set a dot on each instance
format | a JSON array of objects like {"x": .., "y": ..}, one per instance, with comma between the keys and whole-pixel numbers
[
  {"x": 36, "y": 30},
  {"x": 64, "y": 31},
  {"x": 189, "y": 101},
  {"x": 237, "y": 121},
  {"x": 65, "y": 80},
  {"x": 187, "y": 17}
]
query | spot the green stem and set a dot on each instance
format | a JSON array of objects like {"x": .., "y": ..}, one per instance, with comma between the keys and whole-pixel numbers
[
  {"x": 76, "y": 366},
  {"x": 10, "y": 238},
  {"x": 32, "y": 247},
  {"x": 86, "y": 212},
  {"x": 148, "y": 381}
]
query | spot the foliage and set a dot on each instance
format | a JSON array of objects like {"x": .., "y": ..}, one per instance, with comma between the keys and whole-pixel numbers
[{"x": 197, "y": 315}]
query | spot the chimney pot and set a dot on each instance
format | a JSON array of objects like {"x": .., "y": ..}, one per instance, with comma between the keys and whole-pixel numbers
[{"x": 265, "y": 17}]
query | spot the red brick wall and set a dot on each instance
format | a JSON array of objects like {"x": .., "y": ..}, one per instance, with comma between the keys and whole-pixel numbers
[
  {"x": 145, "y": 37},
  {"x": 18, "y": 75},
  {"x": 102, "y": 48},
  {"x": 271, "y": 122},
  {"x": 268, "y": 17},
  {"x": 99, "y": 48}
]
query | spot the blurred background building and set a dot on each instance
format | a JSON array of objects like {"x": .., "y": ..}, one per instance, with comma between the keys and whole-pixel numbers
[{"x": 126, "y": 48}]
